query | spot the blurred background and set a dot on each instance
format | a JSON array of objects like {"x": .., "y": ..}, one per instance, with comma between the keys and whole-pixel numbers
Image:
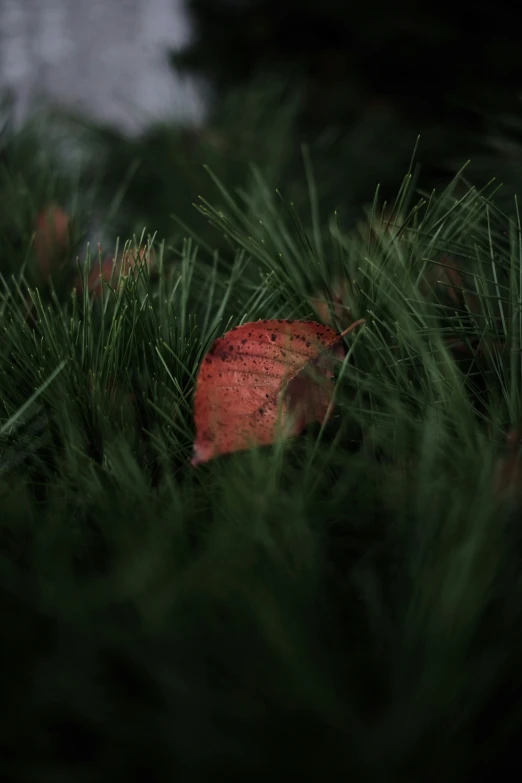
[
  {"x": 106, "y": 59},
  {"x": 150, "y": 91}
]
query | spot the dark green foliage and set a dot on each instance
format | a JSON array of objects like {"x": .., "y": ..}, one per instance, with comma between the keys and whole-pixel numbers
[
  {"x": 378, "y": 75},
  {"x": 38, "y": 170},
  {"x": 344, "y": 604}
]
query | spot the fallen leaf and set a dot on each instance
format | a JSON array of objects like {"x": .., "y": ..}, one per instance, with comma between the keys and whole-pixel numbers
[
  {"x": 111, "y": 270},
  {"x": 508, "y": 474},
  {"x": 112, "y": 389},
  {"x": 330, "y": 305},
  {"x": 475, "y": 347},
  {"x": 447, "y": 275},
  {"x": 51, "y": 240},
  {"x": 106, "y": 271},
  {"x": 387, "y": 226},
  {"x": 133, "y": 258},
  {"x": 262, "y": 380}
]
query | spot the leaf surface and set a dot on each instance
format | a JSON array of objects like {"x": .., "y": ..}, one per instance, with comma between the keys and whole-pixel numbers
[{"x": 263, "y": 380}]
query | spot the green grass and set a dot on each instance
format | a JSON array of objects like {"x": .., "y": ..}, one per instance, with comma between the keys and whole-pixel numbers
[{"x": 344, "y": 603}]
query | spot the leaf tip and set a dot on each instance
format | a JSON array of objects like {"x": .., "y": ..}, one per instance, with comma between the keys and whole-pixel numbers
[{"x": 201, "y": 453}]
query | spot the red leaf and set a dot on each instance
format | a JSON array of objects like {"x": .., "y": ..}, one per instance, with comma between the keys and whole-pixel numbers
[
  {"x": 332, "y": 303},
  {"x": 51, "y": 239},
  {"x": 262, "y": 380},
  {"x": 106, "y": 271},
  {"x": 447, "y": 274},
  {"x": 451, "y": 277},
  {"x": 111, "y": 270},
  {"x": 132, "y": 258},
  {"x": 508, "y": 474}
]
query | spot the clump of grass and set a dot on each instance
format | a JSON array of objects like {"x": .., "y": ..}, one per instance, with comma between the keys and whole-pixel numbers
[{"x": 345, "y": 601}]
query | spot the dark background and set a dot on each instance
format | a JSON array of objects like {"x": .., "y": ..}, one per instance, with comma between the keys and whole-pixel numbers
[{"x": 364, "y": 81}]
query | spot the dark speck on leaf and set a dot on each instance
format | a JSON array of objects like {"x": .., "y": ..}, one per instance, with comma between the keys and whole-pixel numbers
[
  {"x": 273, "y": 337},
  {"x": 243, "y": 342},
  {"x": 230, "y": 347},
  {"x": 307, "y": 344},
  {"x": 208, "y": 360}
]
